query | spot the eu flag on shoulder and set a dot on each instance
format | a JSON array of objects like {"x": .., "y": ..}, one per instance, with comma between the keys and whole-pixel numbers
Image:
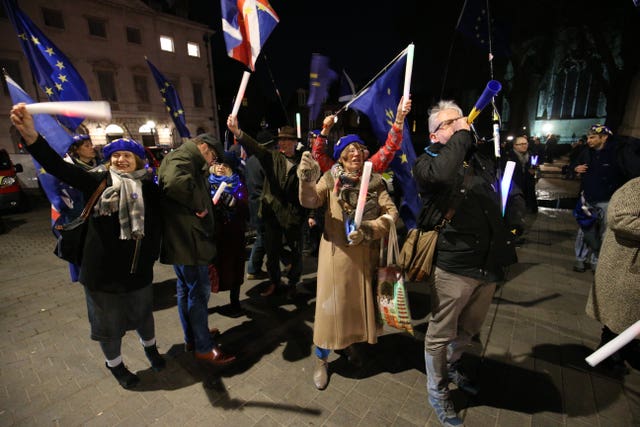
[
  {"x": 53, "y": 71},
  {"x": 246, "y": 25},
  {"x": 379, "y": 102},
  {"x": 171, "y": 101},
  {"x": 66, "y": 201},
  {"x": 320, "y": 78}
]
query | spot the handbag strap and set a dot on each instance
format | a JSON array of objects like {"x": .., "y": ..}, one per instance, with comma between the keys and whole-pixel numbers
[
  {"x": 393, "y": 252},
  {"x": 92, "y": 200}
]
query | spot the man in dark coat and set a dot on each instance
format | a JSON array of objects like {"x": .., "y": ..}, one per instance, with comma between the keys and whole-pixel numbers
[
  {"x": 471, "y": 250},
  {"x": 188, "y": 238},
  {"x": 280, "y": 207}
]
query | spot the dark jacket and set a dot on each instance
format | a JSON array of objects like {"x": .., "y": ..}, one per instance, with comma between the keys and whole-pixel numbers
[
  {"x": 106, "y": 260},
  {"x": 522, "y": 179},
  {"x": 187, "y": 239},
  {"x": 279, "y": 201},
  {"x": 603, "y": 176},
  {"x": 477, "y": 242},
  {"x": 254, "y": 175}
]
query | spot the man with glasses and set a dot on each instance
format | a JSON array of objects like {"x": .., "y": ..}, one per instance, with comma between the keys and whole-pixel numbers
[
  {"x": 187, "y": 241},
  {"x": 524, "y": 174},
  {"x": 458, "y": 187}
]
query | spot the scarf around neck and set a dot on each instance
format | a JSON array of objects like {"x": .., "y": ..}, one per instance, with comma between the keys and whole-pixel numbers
[{"x": 125, "y": 197}]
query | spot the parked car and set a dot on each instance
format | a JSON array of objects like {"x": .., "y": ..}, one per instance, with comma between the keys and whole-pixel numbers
[{"x": 11, "y": 195}]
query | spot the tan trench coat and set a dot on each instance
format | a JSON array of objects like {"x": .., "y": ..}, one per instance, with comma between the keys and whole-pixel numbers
[
  {"x": 614, "y": 299},
  {"x": 345, "y": 301}
]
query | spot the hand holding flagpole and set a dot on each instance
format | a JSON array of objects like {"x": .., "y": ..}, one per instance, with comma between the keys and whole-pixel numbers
[
  {"x": 240, "y": 95},
  {"x": 97, "y": 110},
  {"x": 219, "y": 191}
]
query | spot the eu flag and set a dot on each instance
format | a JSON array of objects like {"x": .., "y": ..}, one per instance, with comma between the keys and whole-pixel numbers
[
  {"x": 171, "y": 101},
  {"x": 320, "y": 78},
  {"x": 379, "y": 102},
  {"x": 52, "y": 69},
  {"x": 66, "y": 201},
  {"x": 474, "y": 23},
  {"x": 246, "y": 25}
]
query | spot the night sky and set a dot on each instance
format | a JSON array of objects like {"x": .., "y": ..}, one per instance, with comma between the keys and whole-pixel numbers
[{"x": 355, "y": 35}]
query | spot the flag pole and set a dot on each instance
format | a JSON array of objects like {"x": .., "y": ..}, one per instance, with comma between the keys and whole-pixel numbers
[
  {"x": 284, "y": 110},
  {"x": 365, "y": 87}
]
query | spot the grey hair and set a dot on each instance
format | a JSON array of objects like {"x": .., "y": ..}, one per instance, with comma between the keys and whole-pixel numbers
[{"x": 442, "y": 105}]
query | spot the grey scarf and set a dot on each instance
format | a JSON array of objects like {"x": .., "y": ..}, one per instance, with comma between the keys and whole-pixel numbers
[{"x": 125, "y": 197}]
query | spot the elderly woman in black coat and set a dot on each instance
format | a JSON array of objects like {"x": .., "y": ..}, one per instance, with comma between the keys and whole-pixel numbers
[{"x": 121, "y": 246}]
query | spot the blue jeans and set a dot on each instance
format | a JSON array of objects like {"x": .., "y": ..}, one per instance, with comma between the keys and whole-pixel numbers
[
  {"x": 193, "y": 289},
  {"x": 258, "y": 252}
]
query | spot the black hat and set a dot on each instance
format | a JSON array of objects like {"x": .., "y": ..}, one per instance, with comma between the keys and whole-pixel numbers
[{"x": 265, "y": 138}]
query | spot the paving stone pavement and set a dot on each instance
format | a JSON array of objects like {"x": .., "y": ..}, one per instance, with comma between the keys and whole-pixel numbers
[{"x": 529, "y": 359}]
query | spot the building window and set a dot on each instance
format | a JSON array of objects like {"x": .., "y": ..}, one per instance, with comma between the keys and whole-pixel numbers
[
  {"x": 141, "y": 88},
  {"x": 166, "y": 43},
  {"x": 107, "y": 85},
  {"x": 193, "y": 49},
  {"x": 97, "y": 27},
  {"x": 133, "y": 35},
  {"x": 53, "y": 18},
  {"x": 197, "y": 95},
  {"x": 13, "y": 70}
]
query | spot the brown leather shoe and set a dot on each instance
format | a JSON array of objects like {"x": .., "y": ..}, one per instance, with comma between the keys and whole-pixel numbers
[
  {"x": 269, "y": 290},
  {"x": 321, "y": 374},
  {"x": 190, "y": 346},
  {"x": 215, "y": 357}
]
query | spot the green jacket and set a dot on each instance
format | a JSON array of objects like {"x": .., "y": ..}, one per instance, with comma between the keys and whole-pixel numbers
[
  {"x": 187, "y": 239},
  {"x": 279, "y": 200}
]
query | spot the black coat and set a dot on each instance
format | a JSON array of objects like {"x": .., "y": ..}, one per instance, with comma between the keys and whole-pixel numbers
[
  {"x": 107, "y": 259},
  {"x": 477, "y": 242}
]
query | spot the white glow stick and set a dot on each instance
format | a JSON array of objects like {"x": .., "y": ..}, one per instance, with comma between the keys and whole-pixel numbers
[
  {"x": 240, "y": 95},
  {"x": 219, "y": 191},
  {"x": 505, "y": 184},
  {"x": 534, "y": 160},
  {"x": 99, "y": 110},
  {"x": 298, "y": 131},
  {"x": 362, "y": 195},
  {"x": 496, "y": 139},
  {"x": 407, "y": 73},
  {"x": 614, "y": 345}
]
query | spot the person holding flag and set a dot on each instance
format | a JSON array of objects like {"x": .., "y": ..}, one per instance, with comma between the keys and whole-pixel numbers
[
  {"x": 121, "y": 245},
  {"x": 381, "y": 159},
  {"x": 458, "y": 187}
]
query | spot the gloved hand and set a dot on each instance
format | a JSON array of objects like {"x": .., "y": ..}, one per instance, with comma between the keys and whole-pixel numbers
[
  {"x": 356, "y": 237},
  {"x": 227, "y": 199},
  {"x": 308, "y": 169}
]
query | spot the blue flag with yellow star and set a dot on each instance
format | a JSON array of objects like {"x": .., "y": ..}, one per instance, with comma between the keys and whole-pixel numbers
[
  {"x": 379, "y": 102},
  {"x": 171, "y": 101},
  {"x": 53, "y": 71},
  {"x": 320, "y": 78}
]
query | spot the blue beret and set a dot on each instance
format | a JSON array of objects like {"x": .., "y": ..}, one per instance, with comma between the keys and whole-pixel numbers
[
  {"x": 123, "y": 144},
  {"x": 80, "y": 138},
  {"x": 343, "y": 143}
]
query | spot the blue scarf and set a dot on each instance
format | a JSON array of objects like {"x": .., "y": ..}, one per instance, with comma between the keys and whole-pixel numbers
[{"x": 233, "y": 183}]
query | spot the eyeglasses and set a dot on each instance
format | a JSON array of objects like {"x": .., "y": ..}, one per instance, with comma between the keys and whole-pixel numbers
[
  {"x": 522, "y": 143},
  {"x": 445, "y": 124}
]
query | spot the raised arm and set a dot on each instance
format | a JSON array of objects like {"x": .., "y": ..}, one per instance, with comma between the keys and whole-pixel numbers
[{"x": 383, "y": 157}]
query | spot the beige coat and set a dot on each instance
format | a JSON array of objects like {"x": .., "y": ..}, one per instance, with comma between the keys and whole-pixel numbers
[
  {"x": 614, "y": 299},
  {"x": 345, "y": 302}
]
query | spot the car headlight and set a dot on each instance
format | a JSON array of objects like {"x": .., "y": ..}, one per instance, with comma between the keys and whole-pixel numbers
[{"x": 7, "y": 181}]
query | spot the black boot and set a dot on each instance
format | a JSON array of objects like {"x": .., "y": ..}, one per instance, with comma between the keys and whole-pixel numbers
[
  {"x": 125, "y": 377},
  {"x": 157, "y": 362}
]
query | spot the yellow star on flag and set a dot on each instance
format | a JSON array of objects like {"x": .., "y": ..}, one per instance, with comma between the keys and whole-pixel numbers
[
  {"x": 35, "y": 40},
  {"x": 62, "y": 78},
  {"x": 60, "y": 65},
  {"x": 48, "y": 91},
  {"x": 49, "y": 50},
  {"x": 22, "y": 36},
  {"x": 403, "y": 158},
  {"x": 59, "y": 87}
]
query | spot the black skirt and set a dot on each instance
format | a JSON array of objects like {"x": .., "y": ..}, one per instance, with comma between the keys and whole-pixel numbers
[{"x": 112, "y": 315}]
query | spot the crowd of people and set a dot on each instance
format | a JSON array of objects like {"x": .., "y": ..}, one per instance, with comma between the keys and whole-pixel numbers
[{"x": 204, "y": 196}]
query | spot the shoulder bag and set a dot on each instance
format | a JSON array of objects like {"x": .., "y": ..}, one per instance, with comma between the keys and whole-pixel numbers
[{"x": 71, "y": 236}]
